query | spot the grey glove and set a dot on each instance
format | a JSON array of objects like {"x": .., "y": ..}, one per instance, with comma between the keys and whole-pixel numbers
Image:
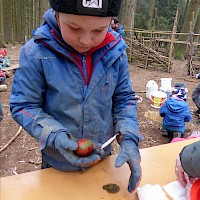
[
  {"x": 66, "y": 147},
  {"x": 130, "y": 153}
]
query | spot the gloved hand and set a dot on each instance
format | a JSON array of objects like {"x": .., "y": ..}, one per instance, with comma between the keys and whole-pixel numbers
[
  {"x": 67, "y": 146},
  {"x": 130, "y": 153}
]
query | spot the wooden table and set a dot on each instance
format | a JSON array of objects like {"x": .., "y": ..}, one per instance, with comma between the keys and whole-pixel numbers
[{"x": 158, "y": 165}]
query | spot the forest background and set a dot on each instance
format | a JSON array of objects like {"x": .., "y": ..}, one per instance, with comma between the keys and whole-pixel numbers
[
  {"x": 23, "y": 16},
  {"x": 18, "y": 18}
]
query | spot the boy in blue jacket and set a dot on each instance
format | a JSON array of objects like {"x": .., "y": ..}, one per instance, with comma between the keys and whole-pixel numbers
[
  {"x": 175, "y": 113},
  {"x": 116, "y": 26},
  {"x": 73, "y": 82}
]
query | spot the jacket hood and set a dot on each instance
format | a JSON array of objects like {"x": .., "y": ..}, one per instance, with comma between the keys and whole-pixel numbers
[
  {"x": 50, "y": 19},
  {"x": 175, "y": 105}
]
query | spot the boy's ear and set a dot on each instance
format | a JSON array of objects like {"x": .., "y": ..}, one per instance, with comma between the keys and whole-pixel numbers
[{"x": 57, "y": 18}]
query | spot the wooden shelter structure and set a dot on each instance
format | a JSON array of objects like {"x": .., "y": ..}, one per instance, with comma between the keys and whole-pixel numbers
[{"x": 154, "y": 49}]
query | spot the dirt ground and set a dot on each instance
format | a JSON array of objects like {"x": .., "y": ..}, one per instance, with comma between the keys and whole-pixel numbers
[{"x": 22, "y": 155}]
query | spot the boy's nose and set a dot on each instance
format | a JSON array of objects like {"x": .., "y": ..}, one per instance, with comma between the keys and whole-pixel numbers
[{"x": 86, "y": 39}]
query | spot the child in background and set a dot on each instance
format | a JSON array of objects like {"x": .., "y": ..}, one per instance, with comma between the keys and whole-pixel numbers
[
  {"x": 2, "y": 77},
  {"x": 196, "y": 97},
  {"x": 116, "y": 26},
  {"x": 195, "y": 134},
  {"x": 4, "y": 61},
  {"x": 1, "y": 112},
  {"x": 175, "y": 113}
]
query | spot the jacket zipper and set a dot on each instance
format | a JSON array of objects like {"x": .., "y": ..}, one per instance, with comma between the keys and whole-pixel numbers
[{"x": 84, "y": 67}]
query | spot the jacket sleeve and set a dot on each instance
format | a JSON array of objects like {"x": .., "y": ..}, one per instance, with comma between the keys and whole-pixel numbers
[
  {"x": 188, "y": 117},
  {"x": 190, "y": 159},
  {"x": 27, "y": 99},
  {"x": 124, "y": 103},
  {"x": 121, "y": 32},
  {"x": 162, "y": 110}
]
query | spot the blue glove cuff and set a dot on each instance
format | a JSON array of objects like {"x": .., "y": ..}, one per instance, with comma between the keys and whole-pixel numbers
[{"x": 128, "y": 136}]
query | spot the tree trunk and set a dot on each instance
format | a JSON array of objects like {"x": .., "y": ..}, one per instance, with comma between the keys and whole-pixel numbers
[
  {"x": 44, "y": 4},
  {"x": 191, "y": 16},
  {"x": 126, "y": 12},
  {"x": 151, "y": 10},
  {"x": 180, "y": 7},
  {"x": 1, "y": 27},
  {"x": 197, "y": 29},
  {"x": 188, "y": 26},
  {"x": 197, "y": 25}
]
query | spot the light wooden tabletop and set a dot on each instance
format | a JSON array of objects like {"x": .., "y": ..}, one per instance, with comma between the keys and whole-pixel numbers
[{"x": 158, "y": 165}]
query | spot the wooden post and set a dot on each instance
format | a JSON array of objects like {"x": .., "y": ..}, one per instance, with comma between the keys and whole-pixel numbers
[
  {"x": 132, "y": 26},
  {"x": 191, "y": 49},
  {"x": 149, "y": 46},
  {"x": 172, "y": 41}
]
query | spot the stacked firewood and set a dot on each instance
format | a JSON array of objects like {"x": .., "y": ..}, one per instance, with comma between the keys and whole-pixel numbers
[
  {"x": 146, "y": 57},
  {"x": 194, "y": 64}
]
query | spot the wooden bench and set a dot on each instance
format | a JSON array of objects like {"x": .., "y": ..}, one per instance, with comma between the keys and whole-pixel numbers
[{"x": 15, "y": 66}]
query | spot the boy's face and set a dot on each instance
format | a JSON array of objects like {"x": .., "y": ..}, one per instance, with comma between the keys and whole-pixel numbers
[
  {"x": 83, "y": 32},
  {"x": 113, "y": 25}
]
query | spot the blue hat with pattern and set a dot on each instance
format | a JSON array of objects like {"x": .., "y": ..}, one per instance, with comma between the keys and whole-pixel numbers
[{"x": 180, "y": 94}]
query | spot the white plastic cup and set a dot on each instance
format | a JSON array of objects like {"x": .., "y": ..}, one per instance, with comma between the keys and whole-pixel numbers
[{"x": 166, "y": 83}]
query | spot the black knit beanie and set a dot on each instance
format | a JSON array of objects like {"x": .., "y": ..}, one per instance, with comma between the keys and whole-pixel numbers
[{"x": 101, "y": 8}]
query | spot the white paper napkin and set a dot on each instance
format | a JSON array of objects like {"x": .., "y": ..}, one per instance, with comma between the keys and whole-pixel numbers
[
  {"x": 177, "y": 192},
  {"x": 151, "y": 192}
]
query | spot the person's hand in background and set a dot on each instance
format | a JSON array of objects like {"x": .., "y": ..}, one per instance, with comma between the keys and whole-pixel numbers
[
  {"x": 181, "y": 175},
  {"x": 197, "y": 76}
]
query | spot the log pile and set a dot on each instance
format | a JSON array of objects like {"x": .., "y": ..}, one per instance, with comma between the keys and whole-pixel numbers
[
  {"x": 193, "y": 65},
  {"x": 145, "y": 57}
]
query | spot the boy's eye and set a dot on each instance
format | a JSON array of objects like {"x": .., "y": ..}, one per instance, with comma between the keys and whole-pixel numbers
[
  {"x": 75, "y": 29},
  {"x": 98, "y": 31}
]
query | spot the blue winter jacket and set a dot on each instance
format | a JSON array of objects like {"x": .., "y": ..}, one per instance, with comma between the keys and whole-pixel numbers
[
  {"x": 49, "y": 94},
  {"x": 175, "y": 113},
  {"x": 120, "y": 30}
]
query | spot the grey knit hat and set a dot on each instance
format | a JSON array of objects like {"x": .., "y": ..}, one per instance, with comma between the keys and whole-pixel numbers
[{"x": 101, "y": 8}]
